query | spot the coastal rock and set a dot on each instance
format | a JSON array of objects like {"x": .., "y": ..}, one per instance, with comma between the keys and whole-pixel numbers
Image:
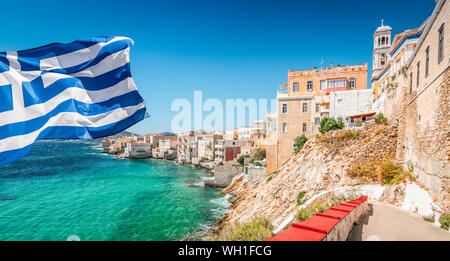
[{"x": 321, "y": 165}]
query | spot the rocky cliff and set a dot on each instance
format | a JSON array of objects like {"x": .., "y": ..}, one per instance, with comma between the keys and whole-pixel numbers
[{"x": 321, "y": 165}]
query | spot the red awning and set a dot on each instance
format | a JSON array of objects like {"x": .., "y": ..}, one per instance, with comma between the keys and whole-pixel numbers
[{"x": 362, "y": 115}]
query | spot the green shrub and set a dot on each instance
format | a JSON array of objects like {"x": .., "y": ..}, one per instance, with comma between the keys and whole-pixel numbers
[
  {"x": 269, "y": 178},
  {"x": 410, "y": 166},
  {"x": 317, "y": 206},
  {"x": 381, "y": 119},
  {"x": 304, "y": 213},
  {"x": 326, "y": 124},
  {"x": 300, "y": 196},
  {"x": 429, "y": 219},
  {"x": 322, "y": 207},
  {"x": 256, "y": 230},
  {"x": 340, "y": 124},
  {"x": 240, "y": 160},
  {"x": 444, "y": 219},
  {"x": 300, "y": 142}
]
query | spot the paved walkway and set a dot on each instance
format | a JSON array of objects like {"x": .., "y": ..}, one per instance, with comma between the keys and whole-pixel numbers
[{"x": 388, "y": 223}]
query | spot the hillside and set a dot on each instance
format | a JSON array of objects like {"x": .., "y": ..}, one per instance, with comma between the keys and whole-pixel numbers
[{"x": 322, "y": 164}]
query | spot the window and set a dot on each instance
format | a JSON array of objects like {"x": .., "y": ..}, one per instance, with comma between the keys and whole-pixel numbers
[
  {"x": 441, "y": 44},
  {"x": 285, "y": 129},
  {"x": 294, "y": 145},
  {"x": 352, "y": 83},
  {"x": 317, "y": 107},
  {"x": 427, "y": 60},
  {"x": 304, "y": 107},
  {"x": 410, "y": 83},
  {"x": 323, "y": 84},
  {"x": 295, "y": 87},
  {"x": 418, "y": 74},
  {"x": 284, "y": 108},
  {"x": 336, "y": 83},
  {"x": 304, "y": 127},
  {"x": 317, "y": 120},
  {"x": 309, "y": 86},
  {"x": 339, "y": 100}
]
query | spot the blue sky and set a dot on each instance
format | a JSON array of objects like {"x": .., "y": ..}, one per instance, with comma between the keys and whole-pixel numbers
[{"x": 227, "y": 49}]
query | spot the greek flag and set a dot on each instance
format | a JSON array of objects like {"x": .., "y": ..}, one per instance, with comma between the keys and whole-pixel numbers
[{"x": 80, "y": 90}]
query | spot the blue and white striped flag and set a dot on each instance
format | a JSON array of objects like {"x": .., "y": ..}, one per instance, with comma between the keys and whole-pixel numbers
[{"x": 80, "y": 90}]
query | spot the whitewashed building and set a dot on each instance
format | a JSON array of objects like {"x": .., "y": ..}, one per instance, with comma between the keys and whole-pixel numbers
[
  {"x": 139, "y": 150},
  {"x": 344, "y": 104}
]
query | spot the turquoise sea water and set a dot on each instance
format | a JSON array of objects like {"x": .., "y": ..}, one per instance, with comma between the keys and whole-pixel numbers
[{"x": 64, "y": 189}]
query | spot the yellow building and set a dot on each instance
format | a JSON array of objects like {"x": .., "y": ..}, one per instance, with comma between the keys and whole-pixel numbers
[{"x": 303, "y": 101}]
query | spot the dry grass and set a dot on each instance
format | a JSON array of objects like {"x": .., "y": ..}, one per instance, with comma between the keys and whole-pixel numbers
[
  {"x": 340, "y": 137},
  {"x": 386, "y": 171},
  {"x": 394, "y": 174},
  {"x": 257, "y": 229},
  {"x": 365, "y": 172}
]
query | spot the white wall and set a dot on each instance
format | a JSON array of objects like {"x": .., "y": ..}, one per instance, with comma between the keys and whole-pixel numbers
[{"x": 348, "y": 103}]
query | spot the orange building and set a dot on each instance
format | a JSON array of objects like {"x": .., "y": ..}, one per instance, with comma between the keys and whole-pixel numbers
[{"x": 304, "y": 100}]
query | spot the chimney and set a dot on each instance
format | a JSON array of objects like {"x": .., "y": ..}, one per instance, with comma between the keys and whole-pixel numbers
[{"x": 331, "y": 65}]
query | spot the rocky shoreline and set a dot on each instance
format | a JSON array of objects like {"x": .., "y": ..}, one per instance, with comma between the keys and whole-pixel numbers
[{"x": 321, "y": 166}]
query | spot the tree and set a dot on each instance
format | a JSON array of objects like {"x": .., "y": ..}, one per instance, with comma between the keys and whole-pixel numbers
[
  {"x": 327, "y": 124},
  {"x": 300, "y": 142},
  {"x": 240, "y": 160},
  {"x": 260, "y": 154},
  {"x": 381, "y": 119}
]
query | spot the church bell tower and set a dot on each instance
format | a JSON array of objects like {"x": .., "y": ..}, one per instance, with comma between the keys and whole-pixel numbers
[{"x": 381, "y": 47}]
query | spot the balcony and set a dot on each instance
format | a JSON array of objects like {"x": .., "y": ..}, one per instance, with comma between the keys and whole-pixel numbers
[
  {"x": 281, "y": 94},
  {"x": 324, "y": 109}
]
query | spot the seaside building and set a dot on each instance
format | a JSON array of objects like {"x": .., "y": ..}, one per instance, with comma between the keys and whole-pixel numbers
[
  {"x": 138, "y": 150},
  {"x": 305, "y": 99},
  {"x": 123, "y": 142},
  {"x": 227, "y": 150},
  {"x": 155, "y": 138},
  {"x": 187, "y": 147},
  {"x": 206, "y": 145},
  {"x": 259, "y": 139},
  {"x": 168, "y": 145}
]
